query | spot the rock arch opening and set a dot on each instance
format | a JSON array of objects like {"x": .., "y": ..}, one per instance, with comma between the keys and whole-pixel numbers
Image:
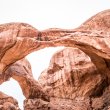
[
  {"x": 39, "y": 64},
  {"x": 92, "y": 37},
  {"x": 12, "y": 89}
]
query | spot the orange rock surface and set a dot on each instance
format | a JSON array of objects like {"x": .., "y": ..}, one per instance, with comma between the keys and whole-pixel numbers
[{"x": 78, "y": 77}]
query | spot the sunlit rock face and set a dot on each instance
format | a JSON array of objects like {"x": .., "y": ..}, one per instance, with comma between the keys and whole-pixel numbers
[
  {"x": 72, "y": 79},
  {"x": 81, "y": 75},
  {"x": 70, "y": 74},
  {"x": 78, "y": 77},
  {"x": 98, "y": 22},
  {"x": 15, "y": 42}
]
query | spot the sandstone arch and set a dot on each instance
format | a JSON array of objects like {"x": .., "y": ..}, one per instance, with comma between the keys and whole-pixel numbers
[
  {"x": 19, "y": 39},
  {"x": 92, "y": 37}
]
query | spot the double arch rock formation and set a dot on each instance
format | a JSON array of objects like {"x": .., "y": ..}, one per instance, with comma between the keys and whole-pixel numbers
[{"x": 90, "y": 42}]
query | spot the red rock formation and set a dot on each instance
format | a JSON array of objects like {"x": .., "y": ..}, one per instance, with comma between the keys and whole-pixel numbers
[
  {"x": 69, "y": 70},
  {"x": 8, "y": 102},
  {"x": 98, "y": 22},
  {"x": 74, "y": 83},
  {"x": 17, "y": 40},
  {"x": 21, "y": 72},
  {"x": 93, "y": 39},
  {"x": 76, "y": 79}
]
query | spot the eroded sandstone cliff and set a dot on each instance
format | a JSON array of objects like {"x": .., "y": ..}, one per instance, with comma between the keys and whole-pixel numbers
[
  {"x": 78, "y": 77},
  {"x": 74, "y": 83}
]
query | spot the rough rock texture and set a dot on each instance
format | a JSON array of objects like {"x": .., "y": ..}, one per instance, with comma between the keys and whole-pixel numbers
[
  {"x": 90, "y": 83},
  {"x": 57, "y": 104},
  {"x": 78, "y": 78},
  {"x": 17, "y": 40},
  {"x": 98, "y": 22},
  {"x": 8, "y": 102},
  {"x": 74, "y": 83},
  {"x": 21, "y": 72},
  {"x": 69, "y": 75}
]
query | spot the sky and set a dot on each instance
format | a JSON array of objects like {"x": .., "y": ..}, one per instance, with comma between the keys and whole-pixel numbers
[{"x": 43, "y": 14}]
